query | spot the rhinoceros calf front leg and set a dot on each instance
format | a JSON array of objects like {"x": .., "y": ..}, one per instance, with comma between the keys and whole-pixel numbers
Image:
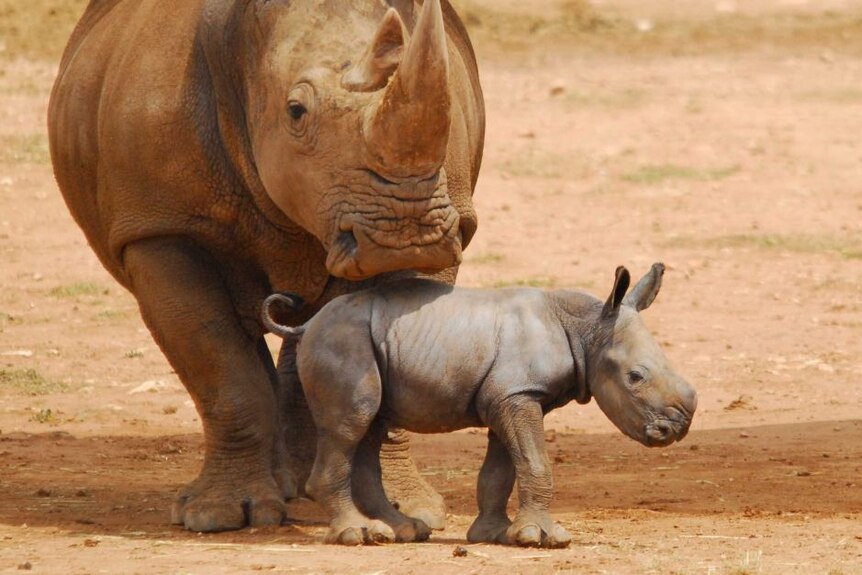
[
  {"x": 186, "y": 305},
  {"x": 518, "y": 422},
  {"x": 496, "y": 479}
]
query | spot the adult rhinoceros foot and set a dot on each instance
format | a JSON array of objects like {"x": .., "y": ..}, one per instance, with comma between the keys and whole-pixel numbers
[
  {"x": 406, "y": 487},
  {"x": 211, "y": 504}
]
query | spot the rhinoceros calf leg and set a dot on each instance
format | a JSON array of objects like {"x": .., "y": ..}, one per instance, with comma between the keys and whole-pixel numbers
[
  {"x": 188, "y": 308},
  {"x": 369, "y": 493},
  {"x": 496, "y": 479},
  {"x": 520, "y": 427},
  {"x": 344, "y": 401}
]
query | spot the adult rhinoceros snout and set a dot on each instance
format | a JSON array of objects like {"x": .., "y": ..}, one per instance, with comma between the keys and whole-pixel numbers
[{"x": 359, "y": 251}]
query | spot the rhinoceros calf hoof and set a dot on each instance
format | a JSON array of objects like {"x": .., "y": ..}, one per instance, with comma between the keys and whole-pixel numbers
[
  {"x": 544, "y": 534},
  {"x": 371, "y": 532}
]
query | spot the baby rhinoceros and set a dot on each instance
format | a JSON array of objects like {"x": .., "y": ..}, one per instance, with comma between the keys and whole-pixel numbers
[{"x": 431, "y": 358}]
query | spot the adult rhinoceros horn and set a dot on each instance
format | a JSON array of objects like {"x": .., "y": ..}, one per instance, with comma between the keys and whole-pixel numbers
[
  {"x": 407, "y": 132},
  {"x": 381, "y": 59}
]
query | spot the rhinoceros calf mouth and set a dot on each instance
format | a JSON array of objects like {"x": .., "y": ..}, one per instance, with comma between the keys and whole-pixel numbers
[
  {"x": 371, "y": 242},
  {"x": 663, "y": 432}
]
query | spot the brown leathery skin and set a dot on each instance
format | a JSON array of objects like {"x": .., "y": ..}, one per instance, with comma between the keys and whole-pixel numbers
[{"x": 174, "y": 143}]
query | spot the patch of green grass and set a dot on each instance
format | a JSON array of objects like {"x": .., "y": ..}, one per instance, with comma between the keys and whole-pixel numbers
[
  {"x": 539, "y": 282},
  {"x": 78, "y": 289},
  {"x": 656, "y": 174},
  {"x": 846, "y": 247},
  {"x": 37, "y": 28},
  {"x": 846, "y": 95},
  {"x": 28, "y": 381},
  {"x": 25, "y": 149},
  {"x": 487, "y": 258},
  {"x": 44, "y": 416},
  {"x": 534, "y": 163},
  {"x": 111, "y": 314},
  {"x": 134, "y": 353},
  {"x": 628, "y": 98},
  {"x": 583, "y": 26}
]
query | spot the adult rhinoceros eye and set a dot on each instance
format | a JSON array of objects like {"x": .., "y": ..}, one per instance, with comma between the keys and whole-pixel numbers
[
  {"x": 300, "y": 103},
  {"x": 296, "y": 110}
]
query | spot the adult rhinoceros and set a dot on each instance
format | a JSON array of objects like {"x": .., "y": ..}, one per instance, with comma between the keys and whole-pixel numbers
[{"x": 214, "y": 151}]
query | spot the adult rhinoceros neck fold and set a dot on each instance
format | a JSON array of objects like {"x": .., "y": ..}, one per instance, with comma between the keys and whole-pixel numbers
[{"x": 407, "y": 132}]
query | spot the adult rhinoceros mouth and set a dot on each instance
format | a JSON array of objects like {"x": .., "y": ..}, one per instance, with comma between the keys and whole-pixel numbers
[{"x": 393, "y": 227}]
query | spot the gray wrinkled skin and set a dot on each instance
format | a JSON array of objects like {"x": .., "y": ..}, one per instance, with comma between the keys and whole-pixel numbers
[{"x": 432, "y": 358}]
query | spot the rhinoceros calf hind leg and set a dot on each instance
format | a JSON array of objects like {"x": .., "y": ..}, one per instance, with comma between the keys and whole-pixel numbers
[
  {"x": 343, "y": 390},
  {"x": 369, "y": 493},
  {"x": 190, "y": 313}
]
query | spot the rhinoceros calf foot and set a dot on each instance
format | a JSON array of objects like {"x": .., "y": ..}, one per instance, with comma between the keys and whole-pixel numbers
[
  {"x": 206, "y": 506},
  {"x": 536, "y": 531},
  {"x": 358, "y": 530}
]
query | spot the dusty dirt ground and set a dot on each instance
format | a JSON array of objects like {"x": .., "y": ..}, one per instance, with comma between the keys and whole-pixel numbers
[{"x": 721, "y": 138}]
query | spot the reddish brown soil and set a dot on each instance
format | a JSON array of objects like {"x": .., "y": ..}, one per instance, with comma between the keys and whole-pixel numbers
[{"x": 737, "y": 162}]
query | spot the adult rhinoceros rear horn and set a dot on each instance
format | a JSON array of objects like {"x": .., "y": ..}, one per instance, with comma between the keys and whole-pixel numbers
[
  {"x": 407, "y": 132},
  {"x": 381, "y": 58}
]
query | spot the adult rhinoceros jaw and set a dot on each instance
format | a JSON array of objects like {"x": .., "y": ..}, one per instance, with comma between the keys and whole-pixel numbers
[
  {"x": 406, "y": 134},
  {"x": 396, "y": 227}
]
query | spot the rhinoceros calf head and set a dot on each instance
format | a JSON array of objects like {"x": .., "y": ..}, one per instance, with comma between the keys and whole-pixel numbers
[
  {"x": 349, "y": 119},
  {"x": 633, "y": 382}
]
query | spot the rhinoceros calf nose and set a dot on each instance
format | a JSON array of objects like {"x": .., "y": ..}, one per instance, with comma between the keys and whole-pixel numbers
[
  {"x": 689, "y": 399},
  {"x": 659, "y": 434}
]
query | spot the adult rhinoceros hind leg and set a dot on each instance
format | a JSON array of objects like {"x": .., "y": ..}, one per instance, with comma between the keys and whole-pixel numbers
[
  {"x": 187, "y": 306},
  {"x": 405, "y": 486}
]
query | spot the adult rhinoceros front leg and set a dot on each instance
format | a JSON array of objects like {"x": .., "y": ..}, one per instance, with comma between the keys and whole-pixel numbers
[{"x": 187, "y": 306}]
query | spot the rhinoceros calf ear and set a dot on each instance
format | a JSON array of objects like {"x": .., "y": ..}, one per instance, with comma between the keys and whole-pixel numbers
[
  {"x": 644, "y": 292},
  {"x": 622, "y": 280},
  {"x": 380, "y": 59}
]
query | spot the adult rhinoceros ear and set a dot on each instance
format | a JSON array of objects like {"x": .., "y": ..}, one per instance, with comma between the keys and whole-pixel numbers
[
  {"x": 380, "y": 59},
  {"x": 644, "y": 292},
  {"x": 621, "y": 284}
]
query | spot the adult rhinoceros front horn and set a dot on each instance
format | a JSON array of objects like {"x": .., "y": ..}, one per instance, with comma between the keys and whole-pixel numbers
[{"x": 407, "y": 132}]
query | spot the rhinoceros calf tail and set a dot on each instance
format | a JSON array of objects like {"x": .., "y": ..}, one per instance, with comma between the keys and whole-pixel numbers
[{"x": 290, "y": 300}]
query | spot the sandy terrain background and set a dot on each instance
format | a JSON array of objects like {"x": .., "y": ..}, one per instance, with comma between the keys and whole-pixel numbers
[{"x": 720, "y": 137}]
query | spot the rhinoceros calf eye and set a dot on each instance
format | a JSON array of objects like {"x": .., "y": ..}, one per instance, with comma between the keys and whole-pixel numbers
[
  {"x": 296, "y": 110},
  {"x": 635, "y": 377}
]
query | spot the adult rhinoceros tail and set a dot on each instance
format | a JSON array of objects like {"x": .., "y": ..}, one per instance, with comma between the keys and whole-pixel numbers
[{"x": 292, "y": 301}]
